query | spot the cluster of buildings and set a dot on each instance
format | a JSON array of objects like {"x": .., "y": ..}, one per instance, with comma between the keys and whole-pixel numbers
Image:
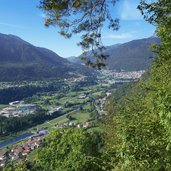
[
  {"x": 75, "y": 79},
  {"x": 18, "y": 108},
  {"x": 85, "y": 94},
  {"x": 53, "y": 110},
  {"x": 3, "y": 158},
  {"x": 100, "y": 103},
  {"x": 86, "y": 124},
  {"x": 21, "y": 152},
  {"x": 78, "y": 125},
  {"x": 128, "y": 75},
  {"x": 113, "y": 77}
]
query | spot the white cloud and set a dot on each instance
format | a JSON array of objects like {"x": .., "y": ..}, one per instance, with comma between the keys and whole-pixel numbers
[
  {"x": 13, "y": 25},
  {"x": 120, "y": 36},
  {"x": 129, "y": 11}
]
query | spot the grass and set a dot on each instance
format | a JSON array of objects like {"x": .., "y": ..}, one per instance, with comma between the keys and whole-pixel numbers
[
  {"x": 68, "y": 97},
  {"x": 64, "y": 99},
  {"x": 50, "y": 124},
  {"x": 93, "y": 87},
  {"x": 78, "y": 117},
  {"x": 59, "y": 120},
  {"x": 81, "y": 117},
  {"x": 87, "y": 107},
  {"x": 39, "y": 102},
  {"x": 73, "y": 94},
  {"x": 2, "y": 106},
  {"x": 97, "y": 93}
]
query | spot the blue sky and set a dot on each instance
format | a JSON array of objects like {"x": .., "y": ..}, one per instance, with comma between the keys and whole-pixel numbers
[{"x": 24, "y": 19}]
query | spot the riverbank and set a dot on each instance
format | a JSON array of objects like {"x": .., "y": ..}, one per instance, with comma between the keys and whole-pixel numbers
[{"x": 15, "y": 140}]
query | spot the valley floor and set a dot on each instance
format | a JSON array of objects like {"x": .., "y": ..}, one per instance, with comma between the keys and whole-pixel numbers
[{"x": 79, "y": 105}]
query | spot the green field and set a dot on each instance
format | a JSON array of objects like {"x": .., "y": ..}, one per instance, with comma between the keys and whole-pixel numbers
[
  {"x": 69, "y": 101},
  {"x": 2, "y": 106},
  {"x": 81, "y": 117},
  {"x": 77, "y": 118}
]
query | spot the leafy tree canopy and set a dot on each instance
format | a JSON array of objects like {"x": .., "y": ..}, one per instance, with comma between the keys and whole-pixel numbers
[
  {"x": 139, "y": 127},
  {"x": 159, "y": 13},
  {"x": 69, "y": 149}
]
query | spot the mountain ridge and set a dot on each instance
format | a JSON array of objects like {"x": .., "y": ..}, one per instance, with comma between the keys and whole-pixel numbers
[
  {"x": 20, "y": 60},
  {"x": 130, "y": 56}
]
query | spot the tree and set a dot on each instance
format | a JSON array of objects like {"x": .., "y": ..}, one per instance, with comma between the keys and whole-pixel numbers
[
  {"x": 21, "y": 166},
  {"x": 69, "y": 149},
  {"x": 82, "y": 16},
  {"x": 139, "y": 127},
  {"x": 159, "y": 13}
]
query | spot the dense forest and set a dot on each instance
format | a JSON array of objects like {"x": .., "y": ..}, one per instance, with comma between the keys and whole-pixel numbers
[
  {"x": 137, "y": 134},
  {"x": 15, "y": 93},
  {"x": 10, "y": 94},
  {"x": 15, "y": 124},
  {"x": 21, "y": 61}
]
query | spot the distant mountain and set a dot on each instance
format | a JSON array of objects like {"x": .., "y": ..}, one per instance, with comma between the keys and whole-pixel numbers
[
  {"x": 133, "y": 55},
  {"x": 73, "y": 59},
  {"x": 130, "y": 56},
  {"x": 20, "y": 60}
]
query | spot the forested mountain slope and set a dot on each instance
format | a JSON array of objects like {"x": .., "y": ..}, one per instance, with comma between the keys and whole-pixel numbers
[
  {"x": 131, "y": 56},
  {"x": 139, "y": 128},
  {"x": 19, "y": 60}
]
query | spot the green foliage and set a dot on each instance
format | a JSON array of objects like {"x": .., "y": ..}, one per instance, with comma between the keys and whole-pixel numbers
[
  {"x": 139, "y": 127},
  {"x": 69, "y": 149},
  {"x": 16, "y": 124},
  {"x": 81, "y": 16},
  {"x": 21, "y": 166},
  {"x": 18, "y": 93},
  {"x": 139, "y": 139}
]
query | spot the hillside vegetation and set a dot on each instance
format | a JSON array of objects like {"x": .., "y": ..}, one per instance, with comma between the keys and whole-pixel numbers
[
  {"x": 139, "y": 135},
  {"x": 138, "y": 127}
]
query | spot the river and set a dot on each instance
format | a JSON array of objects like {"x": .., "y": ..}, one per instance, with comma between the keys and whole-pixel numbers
[{"x": 15, "y": 139}]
